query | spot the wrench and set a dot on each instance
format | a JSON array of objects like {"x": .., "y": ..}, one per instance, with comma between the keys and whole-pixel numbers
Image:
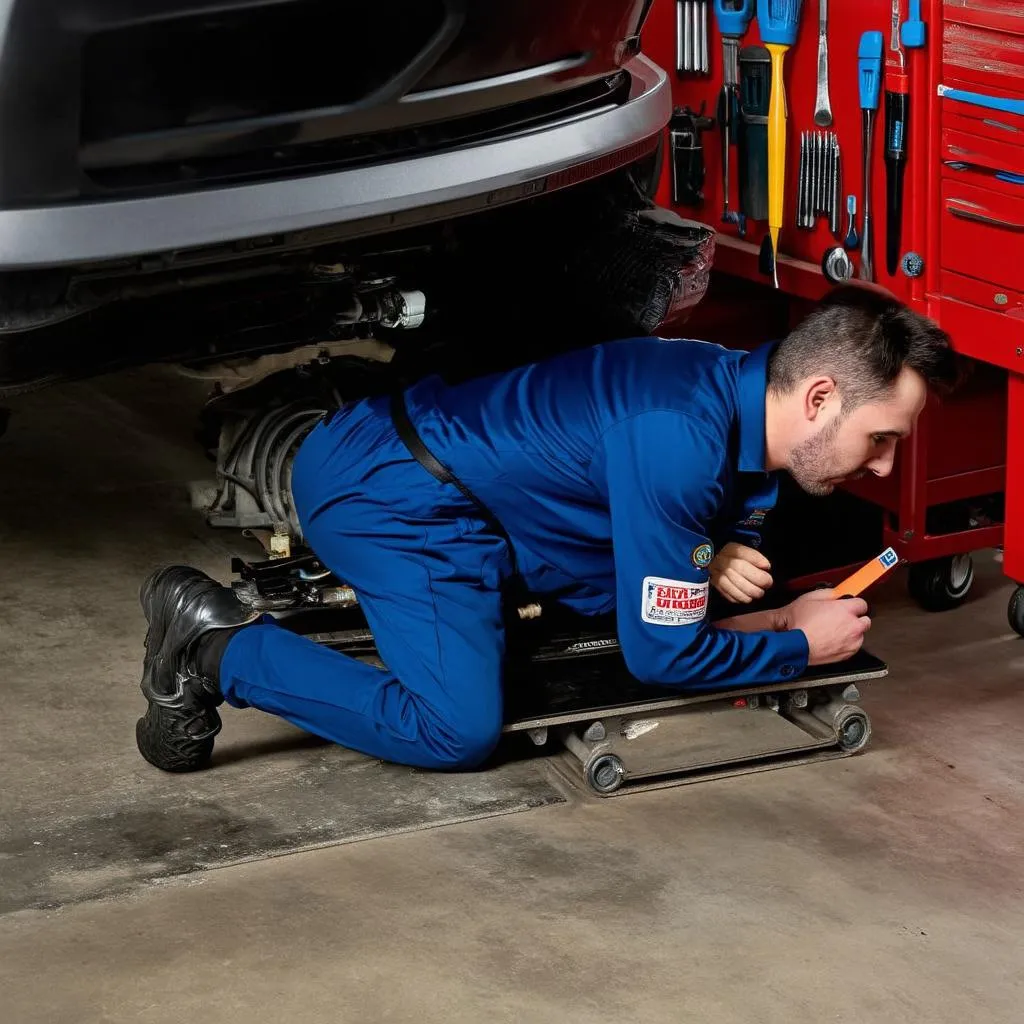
[{"x": 822, "y": 104}]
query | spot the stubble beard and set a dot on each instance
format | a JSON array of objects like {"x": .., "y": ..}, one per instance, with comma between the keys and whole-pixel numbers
[{"x": 811, "y": 463}]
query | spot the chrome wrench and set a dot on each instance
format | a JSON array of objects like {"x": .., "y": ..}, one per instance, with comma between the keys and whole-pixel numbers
[{"x": 822, "y": 104}]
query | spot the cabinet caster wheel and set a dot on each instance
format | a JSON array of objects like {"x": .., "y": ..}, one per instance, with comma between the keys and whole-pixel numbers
[
  {"x": 853, "y": 730},
  {"x": 1015, "y": 611},
  {"x": 605, "y": 774},
  {"x": 943, "y": 583}
]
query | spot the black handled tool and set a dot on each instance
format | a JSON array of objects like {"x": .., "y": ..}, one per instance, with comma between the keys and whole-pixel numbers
[
  {"x": 897, "y": 112},
  {"x": 733, "y": 18},
  {"x": 755, "y": 95},
  {"x": 685, "y": 130}
]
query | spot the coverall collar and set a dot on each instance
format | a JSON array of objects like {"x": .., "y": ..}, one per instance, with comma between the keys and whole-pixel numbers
[{"x": 752, "y": 387}]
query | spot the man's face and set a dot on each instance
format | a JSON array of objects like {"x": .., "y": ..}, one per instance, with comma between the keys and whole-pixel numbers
[{"x": 842, "y": 446}]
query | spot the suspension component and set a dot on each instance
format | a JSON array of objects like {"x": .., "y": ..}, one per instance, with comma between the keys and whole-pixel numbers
[{"x": 254, "y": 469}]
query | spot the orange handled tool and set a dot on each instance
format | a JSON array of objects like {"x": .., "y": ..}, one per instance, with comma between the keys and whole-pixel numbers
[{"x": 868, "y": 575}]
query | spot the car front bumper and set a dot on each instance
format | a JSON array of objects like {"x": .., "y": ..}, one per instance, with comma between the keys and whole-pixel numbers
[{"x": 363, "y": 200}]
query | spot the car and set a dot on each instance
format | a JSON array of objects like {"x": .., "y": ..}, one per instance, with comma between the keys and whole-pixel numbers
[
  {"x": 279, "y": 190},
  {"x": 170, "y": 147}
]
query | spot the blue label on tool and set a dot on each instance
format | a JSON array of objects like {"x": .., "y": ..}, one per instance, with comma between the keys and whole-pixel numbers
[
  {"x": 888, "y": 558},
  {"x": 897, "y": 135}
]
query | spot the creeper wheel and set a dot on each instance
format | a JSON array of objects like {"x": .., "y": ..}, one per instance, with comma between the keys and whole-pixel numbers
[
  {"x": 853, "y": 731},
  {"x": 605, "y": 774},
  {"x": 1015, "y": 610}
]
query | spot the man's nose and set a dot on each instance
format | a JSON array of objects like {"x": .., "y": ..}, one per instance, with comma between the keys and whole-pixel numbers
[{"x": 882, "y": 465}]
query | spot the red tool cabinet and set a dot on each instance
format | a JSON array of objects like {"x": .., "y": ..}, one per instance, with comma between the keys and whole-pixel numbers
[{"x": 958, "y": 485}]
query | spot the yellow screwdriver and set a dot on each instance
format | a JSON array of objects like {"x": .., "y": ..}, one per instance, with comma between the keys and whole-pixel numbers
[{"x": 778, "y": 21}]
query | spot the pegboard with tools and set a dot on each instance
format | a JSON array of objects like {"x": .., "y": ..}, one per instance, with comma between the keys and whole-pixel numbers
[
  {"x": 899, "y": 161},
  {"x": 776, "y": 100}
]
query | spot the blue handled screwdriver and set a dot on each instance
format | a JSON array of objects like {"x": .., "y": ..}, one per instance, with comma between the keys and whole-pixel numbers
[
  {"x": 733, "y": 18},
  {"x": 869, "y": 65}
]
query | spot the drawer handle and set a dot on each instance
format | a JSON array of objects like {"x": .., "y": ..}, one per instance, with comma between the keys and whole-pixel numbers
[
  {"x": 980, "y": 218},
  {"x": 980, "y": 99},
  {"x": 1008, "y": 176}
]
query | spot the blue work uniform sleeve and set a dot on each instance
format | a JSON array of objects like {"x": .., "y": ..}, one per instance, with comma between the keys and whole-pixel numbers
[
  {"x": 759, "y": 497},
  {"x": 662, "y": 474}
]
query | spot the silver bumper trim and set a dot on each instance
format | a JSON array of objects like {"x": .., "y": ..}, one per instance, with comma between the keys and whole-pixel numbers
[{"x": 97, "y": 231}]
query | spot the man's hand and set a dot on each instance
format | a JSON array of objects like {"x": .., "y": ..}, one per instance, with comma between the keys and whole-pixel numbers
[
  {"x": 741, "y": 574},
  {"x": 834, "y": 628},
  {"x": 813, "y": 596}
]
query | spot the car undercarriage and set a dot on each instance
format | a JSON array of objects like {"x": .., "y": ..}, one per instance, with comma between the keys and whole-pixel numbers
[
  {"x": 281, "y": 336},
  {"x": 544, "y": 264}
]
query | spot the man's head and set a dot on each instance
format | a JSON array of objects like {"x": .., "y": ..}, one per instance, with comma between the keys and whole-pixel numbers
[{"x": 848, "y": 383}]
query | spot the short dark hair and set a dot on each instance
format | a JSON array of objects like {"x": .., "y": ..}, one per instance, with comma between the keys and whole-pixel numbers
[{"x": 864, "y": 339}]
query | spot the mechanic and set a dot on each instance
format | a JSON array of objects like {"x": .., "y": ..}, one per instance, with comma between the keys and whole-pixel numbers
[{"x": 603, "y": 476}]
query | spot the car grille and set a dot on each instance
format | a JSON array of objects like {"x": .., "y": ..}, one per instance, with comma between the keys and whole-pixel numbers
[
  {"x": 255, "y": 61},
  {"x": 275, "y": 159}
]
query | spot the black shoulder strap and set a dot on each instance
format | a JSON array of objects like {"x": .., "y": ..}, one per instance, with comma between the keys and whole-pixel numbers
[
  {"x": 437, "y": 469},
  {"x": 419, "y": 451}
]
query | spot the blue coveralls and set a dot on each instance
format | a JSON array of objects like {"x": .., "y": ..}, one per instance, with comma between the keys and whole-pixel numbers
[{"x": 611, "y": 469}]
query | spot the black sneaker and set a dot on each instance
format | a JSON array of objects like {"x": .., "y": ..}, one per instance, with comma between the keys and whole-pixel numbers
[{"x": 181, "y": 604}]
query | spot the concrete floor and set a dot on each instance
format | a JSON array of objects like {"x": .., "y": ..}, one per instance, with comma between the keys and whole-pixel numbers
[{"x": 886, "y": 887}]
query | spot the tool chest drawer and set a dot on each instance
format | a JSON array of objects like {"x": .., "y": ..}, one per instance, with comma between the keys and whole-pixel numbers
[
  {"x": 982, "y": 233},
  {"x": 983, "y": 43},
  {"x": 1003, "y": 299},
  {"x": 976, "y": 148},
  {"x": 993, "y": 117}
]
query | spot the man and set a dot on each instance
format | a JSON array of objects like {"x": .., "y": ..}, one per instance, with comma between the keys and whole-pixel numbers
[{"x": 604, "y": 474}]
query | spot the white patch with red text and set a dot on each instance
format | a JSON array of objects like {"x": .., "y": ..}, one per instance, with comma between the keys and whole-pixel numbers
[{"x": 674, "y": 602}]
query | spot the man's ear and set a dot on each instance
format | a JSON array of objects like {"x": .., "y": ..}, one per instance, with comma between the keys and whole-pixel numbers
[{"x": 818, "y": 392}]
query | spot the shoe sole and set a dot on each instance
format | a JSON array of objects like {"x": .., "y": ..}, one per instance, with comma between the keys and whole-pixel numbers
[{"x": 152, "y": 740}]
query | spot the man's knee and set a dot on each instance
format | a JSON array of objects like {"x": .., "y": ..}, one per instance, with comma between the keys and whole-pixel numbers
[{"x": 465, "y": 741}]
